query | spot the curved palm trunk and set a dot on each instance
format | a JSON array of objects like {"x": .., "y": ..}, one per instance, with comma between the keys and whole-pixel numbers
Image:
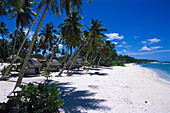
[
  {"x": 53, "y": 55},
  {"x": 95, "y": 58},
  {"x": 18, "y": 83},
  {"x": 76, "y": 57},
  {"x": 91, "y": 57},
  {"x": 99, "y": 60},
  {"x": 65, "y": 64},
  {"x": 87, "y": 55},
  {"x": 15, "y": 39},
  {"x": 20, "y": 48},
  {"x": 7, "y": 48}
]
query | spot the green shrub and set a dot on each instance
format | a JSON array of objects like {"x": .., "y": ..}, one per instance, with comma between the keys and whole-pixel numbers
[
  {"x": 89, "y": 64},
  {"x": 42, "y": 98},
  {"x": 47, "y": 73},
  {"x": 5, "y": 68}
]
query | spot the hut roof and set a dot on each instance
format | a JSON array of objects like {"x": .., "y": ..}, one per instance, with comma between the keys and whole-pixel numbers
[
  {"x": 79, "y": 61},
  {"x": 55, "y": 63},
  {"x": 33, "y": 62},
  {"x": 10, "y": 57}
]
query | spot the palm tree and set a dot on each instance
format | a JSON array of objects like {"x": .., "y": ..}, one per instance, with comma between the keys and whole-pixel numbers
[
  {"x": 47, "y": 37},
  {"x": 2, "y": 8},
  {"x": 22, "y": 11},
  {"x": 4, "y": 31},
  {"x": 71, "y": 32}
]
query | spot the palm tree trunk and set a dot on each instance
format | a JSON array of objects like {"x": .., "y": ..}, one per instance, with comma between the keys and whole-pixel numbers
[
  {"x": 95, "y": 58},
  {"x": 65, "y": 64},
  {"x": 20, "y": 48},
  {"x": 7, "y": 48},
  {"x": 53, "y": 54},
  {"x": 99, "y": 60},
  {"x": 13, "y": 50},
  {"x": 18, "y": 83},
  {"x": 87, "y": 55},
  {"x": 91, "y": 57},
  {"x": 76, "y": 57}
]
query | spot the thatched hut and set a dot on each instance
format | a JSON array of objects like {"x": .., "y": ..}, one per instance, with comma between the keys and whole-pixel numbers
[
  {"x": 54, "y": 65},
  {"x": 10, "y": 58},
  {"x": 33, "y": 66},
  {"x": 77, "y": 64}
]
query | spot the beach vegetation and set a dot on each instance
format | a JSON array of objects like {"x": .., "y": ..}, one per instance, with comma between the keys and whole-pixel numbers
[
  {"x": 47, "y": 73},
  {"x": 42, "y": 98},
  {"x": 5, "y": 68}
]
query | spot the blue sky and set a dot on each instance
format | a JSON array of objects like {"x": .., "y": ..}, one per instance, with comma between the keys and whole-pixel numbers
[{"x": 139, "y": 28}]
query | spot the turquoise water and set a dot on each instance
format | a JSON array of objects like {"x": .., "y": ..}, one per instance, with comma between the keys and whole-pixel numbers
[{"x": 162, "y": 70}]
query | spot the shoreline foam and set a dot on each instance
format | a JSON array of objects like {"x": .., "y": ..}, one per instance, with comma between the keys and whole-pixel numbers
[{"x": 158, "y": 74}]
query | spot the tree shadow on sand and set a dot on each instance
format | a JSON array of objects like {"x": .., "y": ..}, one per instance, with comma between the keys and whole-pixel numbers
[
  {"x": 98, "y": 73},
  {"x": 77, "y": 100}
]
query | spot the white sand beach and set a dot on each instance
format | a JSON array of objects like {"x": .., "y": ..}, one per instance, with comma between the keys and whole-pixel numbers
[{"x": 130, "y": 89}]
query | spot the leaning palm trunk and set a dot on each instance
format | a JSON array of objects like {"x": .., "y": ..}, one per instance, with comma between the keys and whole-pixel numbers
[
  {"x": 13, "y": 50},
  {"x": 65, "y": 64},
  {"x": 19, "y": 50},
  {"x": 8, "y": 49},
  {"x": 90, "y": 59},
  {"x": 18, "y": 83},
  {"x": 53, "y": 54},
  {"x": 95, "y": 58},
  {"x": 99, "y": 60},
  {"x": 76, "y": 57},
  {"x": 87, "y": 55}
]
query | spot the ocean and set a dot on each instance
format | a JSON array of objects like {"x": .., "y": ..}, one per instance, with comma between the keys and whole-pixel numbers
[{"x": 162, "y": 70}]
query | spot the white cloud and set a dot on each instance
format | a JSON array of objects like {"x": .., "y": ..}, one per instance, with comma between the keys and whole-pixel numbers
[
  {"x": 136, "y": 37},
  {"x": 151, "y": 41},
  {"x": 120, "y": 46},
  {"x": 145, "y": 48},
  {"x": 60, "y": 46},
  {"x": 119, "y": 52},
  {"x": 154, "y": 40},
  {"x": 115, "y": 43},
  {"x": 128, "y": 46},
  {"x": 124, "y": 51},
  {"x": 30, "y": 34},
  {"x": 0, "y": 37},
  {"x": 156, "y": 47},
  {"x": 124, "y": 42},
  {"x": 113, "y": 36},
  {"x": 151, "y": 52},
  {"x": 144, "y": 42}
]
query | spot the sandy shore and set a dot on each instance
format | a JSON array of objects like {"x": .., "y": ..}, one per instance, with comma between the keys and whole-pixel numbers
[{"x": 130, "y": 89}]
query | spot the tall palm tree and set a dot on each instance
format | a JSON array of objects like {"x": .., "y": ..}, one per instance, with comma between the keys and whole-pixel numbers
[
  {"x": 21, "y": 9},
  {"x": 47, "y": 37},
  {"x": 71, "y": 32},
  {"x": 2, "y": 8},
  {"x": 4, "y": 31}
]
